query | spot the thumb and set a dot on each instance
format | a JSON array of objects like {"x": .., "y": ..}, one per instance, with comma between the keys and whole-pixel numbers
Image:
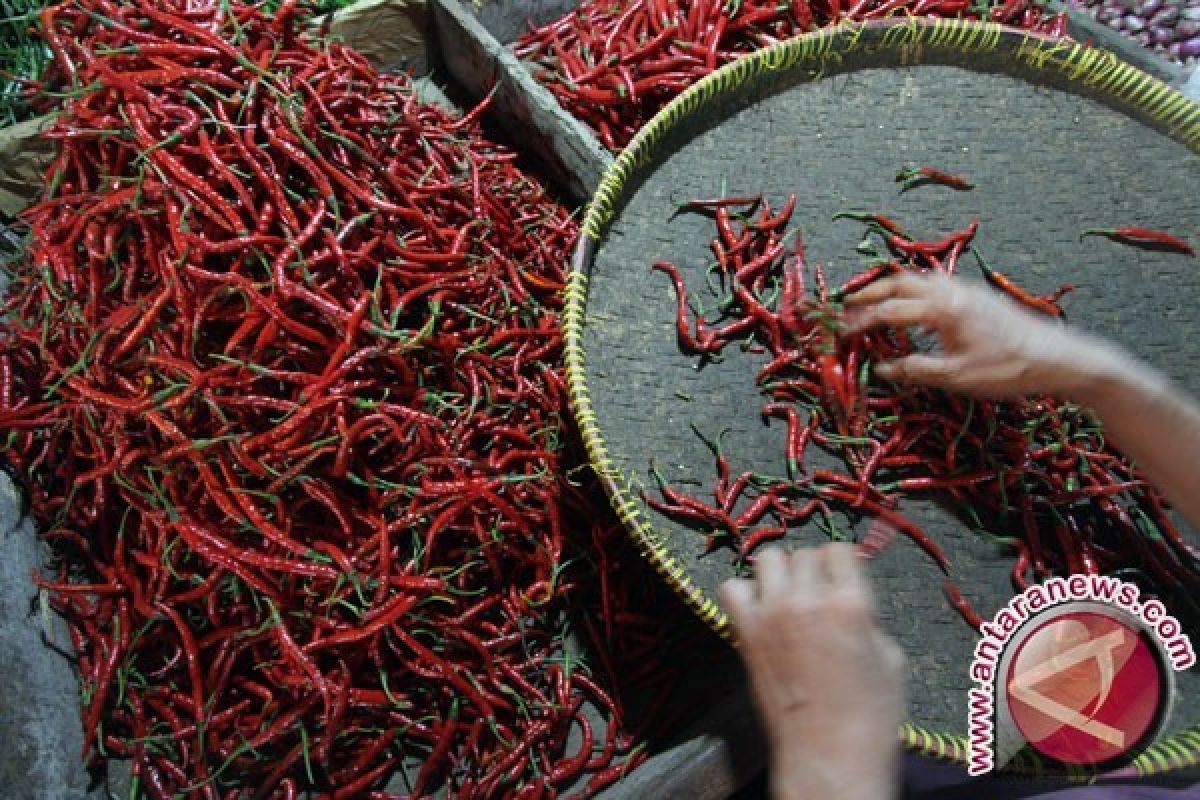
[{"x": 919, "y": 368}]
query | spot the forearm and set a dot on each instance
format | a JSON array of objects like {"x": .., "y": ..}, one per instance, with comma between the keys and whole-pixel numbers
[{"x": 1152, "y": 422}]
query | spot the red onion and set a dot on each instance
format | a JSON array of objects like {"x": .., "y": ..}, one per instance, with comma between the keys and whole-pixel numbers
[
  {"x": 1159, "y": 35},
  {"x": 1165, "y": 16},
  {"x": 1168, "y": 27},
  {"x": 1190, "y": 48}
]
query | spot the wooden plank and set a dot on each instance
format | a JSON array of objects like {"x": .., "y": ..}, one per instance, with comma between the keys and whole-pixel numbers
[{"x": 572, "y": 157}]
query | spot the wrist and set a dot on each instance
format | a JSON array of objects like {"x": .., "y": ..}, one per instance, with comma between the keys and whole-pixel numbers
[{"x": 1110, "y": 380}]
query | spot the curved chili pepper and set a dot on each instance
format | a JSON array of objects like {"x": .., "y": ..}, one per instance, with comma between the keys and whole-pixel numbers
[
  {"x": 911, "y": 177},
  {"x": 962, "y": 605},
  {"x": 1005, "y": 284},
  {"x": 1144, "y": 237}
]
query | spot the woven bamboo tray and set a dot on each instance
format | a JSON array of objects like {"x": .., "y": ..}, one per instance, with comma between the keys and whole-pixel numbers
[{"x": 1057, "y": 137}]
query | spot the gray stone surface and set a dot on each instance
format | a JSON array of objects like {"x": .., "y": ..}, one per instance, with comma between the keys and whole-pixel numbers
[{"x": 40, "y": 731}]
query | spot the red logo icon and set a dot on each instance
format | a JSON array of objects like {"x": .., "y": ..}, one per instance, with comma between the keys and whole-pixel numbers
[{"x": 1086, "y": 688}]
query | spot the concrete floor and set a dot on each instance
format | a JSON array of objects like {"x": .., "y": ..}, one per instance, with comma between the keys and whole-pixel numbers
[{"x": 40, "y": 730}]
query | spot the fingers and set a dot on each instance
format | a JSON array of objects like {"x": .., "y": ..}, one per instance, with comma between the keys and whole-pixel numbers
[
  {"x": 923, "y": 369},
  {"x": 844, "y": 570},
  {"x": 904, "y": 285},
  {"x": 808, "y": 576},
  {"x": 803, "y": 576},
  {"x": 772, "y": 570},
  {"x": 900, "y": 300},
  {"x": 895, "y": 663},
  {"x": 896, "y": 312}
]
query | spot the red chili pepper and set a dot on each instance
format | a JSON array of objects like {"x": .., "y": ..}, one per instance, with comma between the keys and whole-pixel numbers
[
  {"x": 864, "y": 279},
  {"x": 879, "y": 535},
  {"x": 833, "y": 382},
  {"x": 962, "y": 605},
  {"x": 756, "y": 538},
  {"x": 647, "y": 39},
  {"x": 775, "y": 222},
  {"x": 682, "y": 326},
  {"x": 958, "y": 238},
  {"x": 795, "y": 442},
  {"x": 1144, "y": 237},
  {"x": 899, "y": 522},
  {"x": 880, "y": 221},
  {"x": 1005, "y": 284},
  {"x": 265, "y": 336},
  {"x": 911, "y": 177}
]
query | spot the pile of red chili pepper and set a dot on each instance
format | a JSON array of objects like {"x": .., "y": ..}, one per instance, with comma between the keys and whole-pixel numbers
[
  {"x": 856, "y": 445},
  {"x": 613, "y": 65},
  {"x": 281, "y": 376}
]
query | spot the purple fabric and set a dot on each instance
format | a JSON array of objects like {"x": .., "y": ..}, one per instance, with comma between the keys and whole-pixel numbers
[{"x": 925, "y": 779}]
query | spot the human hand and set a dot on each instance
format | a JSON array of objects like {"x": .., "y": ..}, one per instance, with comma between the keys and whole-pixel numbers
[
  {"x": 828, "y": 683},
  {"x": 991, "y": 346}
]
